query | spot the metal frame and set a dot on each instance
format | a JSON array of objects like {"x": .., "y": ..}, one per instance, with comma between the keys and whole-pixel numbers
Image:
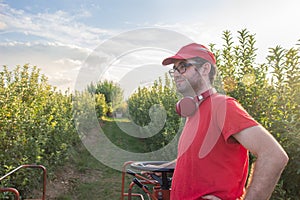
[
  {"x": 15, "y": 191},
  {"x": 156, "y": 192}
]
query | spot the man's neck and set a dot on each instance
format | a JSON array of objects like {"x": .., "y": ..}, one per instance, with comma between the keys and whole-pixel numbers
[
  {"x": 204, "y": 89},
  {"x": 193, "y": 93}
]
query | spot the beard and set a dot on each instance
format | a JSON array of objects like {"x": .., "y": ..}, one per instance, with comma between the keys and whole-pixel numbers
[{"x": 189, "y": 87}]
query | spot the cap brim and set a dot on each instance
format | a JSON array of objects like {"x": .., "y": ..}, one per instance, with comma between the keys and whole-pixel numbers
[{"x": 172, "y": 60}]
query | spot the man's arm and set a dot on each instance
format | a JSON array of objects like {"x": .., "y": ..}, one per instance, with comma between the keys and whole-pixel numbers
[
  {"x": 170, "y": 164},
  {"x": 270, "y": 162}
]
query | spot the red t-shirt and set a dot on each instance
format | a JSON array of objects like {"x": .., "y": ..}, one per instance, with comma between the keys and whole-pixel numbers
[{"x": 209, "y": 161}]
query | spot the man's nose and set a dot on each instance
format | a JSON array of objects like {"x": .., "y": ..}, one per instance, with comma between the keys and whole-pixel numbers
[{"x": 176, "y": 73}]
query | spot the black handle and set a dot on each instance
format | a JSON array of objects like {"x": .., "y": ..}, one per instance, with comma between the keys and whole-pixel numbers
[
  {"x": 136, "y": 181},
  {"x": 144, "y": 187},
  {"x": 130, "y": 172},
  {"x": 158, "y": 179}
]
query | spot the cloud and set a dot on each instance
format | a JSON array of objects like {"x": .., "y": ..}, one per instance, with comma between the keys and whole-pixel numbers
[
  {"x": 2, "y": 25},
  {"x": 68, "y": 61},
  {"x": 58, "y": 26},
  {"x": 60, "y": 63}
]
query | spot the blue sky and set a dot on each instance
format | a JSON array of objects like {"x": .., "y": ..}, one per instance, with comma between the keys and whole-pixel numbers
[{"x": 60, "y": 36}]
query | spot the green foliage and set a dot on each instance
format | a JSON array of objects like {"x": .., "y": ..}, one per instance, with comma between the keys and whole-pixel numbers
[
  {"x": 285, "y": 111},
  {"x": 112, "y": 92},
  {"x": 88, "y": 109},
  {"x": 270, "y": 93},
  {"x": 143, "y": 109},
  {"x": 100, "y": 105},
  {"x": 35, "y": 122}
]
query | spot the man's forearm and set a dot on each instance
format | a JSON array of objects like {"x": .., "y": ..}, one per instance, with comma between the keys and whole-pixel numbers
[
  {"x": 266, "y": 174},
  {"x": 170, "y": 164}
]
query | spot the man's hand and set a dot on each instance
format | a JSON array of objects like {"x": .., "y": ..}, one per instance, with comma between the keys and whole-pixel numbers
[
  {"x": 159, "y": 174},
  {"x": 148, "y": 174}
]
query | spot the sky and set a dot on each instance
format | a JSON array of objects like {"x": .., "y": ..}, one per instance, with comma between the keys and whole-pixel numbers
[{"x": 75, "y": 42}]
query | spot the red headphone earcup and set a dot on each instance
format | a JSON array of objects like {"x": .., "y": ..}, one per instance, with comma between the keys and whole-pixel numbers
[{"x": 186, "y": 107}]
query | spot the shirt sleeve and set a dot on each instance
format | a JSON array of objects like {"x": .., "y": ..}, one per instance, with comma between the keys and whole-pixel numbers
[{"x": 233, "y": 118}]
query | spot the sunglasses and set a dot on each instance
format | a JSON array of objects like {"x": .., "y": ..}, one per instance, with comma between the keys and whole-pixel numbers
[{"x": 181, "y": 68}]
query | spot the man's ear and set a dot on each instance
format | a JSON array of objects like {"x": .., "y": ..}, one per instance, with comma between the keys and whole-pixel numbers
[{"x": 206, "y": 67}]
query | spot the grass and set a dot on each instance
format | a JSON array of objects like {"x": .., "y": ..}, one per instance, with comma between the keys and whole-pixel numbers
[
  {"x": 92, "y": 180},
  {"x": 121, "y": 139}
]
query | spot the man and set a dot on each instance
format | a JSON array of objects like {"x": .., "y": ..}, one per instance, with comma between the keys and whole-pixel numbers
[{"x": 212, "y": 161}]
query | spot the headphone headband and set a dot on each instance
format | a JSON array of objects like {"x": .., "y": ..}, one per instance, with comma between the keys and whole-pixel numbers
[{"x": 206, "y": 94}]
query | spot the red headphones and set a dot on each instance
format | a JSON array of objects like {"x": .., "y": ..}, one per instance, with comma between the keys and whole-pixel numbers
[{"x": 187, "y": 106}]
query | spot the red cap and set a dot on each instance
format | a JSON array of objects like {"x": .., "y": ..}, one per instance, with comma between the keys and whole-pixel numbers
[{"x": 191, "y": 51}]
